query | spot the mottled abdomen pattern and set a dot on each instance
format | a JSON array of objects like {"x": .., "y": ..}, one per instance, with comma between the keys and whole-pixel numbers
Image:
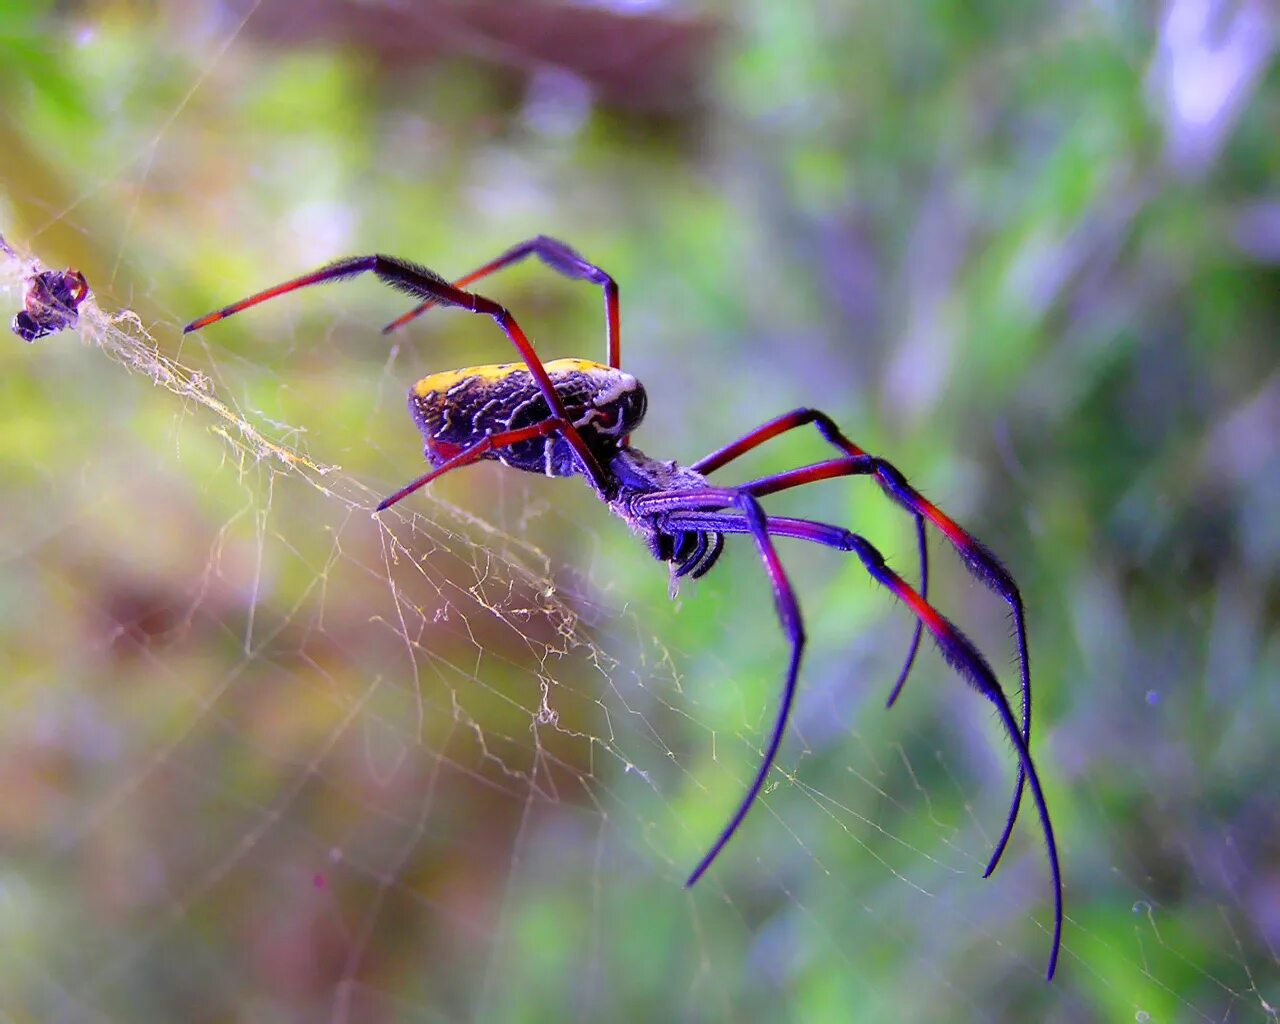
[{"x": 458, "y": 408}]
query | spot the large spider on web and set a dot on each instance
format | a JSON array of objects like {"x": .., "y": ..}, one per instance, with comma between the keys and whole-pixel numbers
[{"x": 571, "y": 416}]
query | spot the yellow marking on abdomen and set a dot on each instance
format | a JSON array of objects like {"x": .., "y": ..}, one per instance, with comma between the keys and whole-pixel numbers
[{"x": 436, "y": 383}]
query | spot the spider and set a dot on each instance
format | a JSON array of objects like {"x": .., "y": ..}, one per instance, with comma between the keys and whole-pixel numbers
[
  {"x": 573, "y": 416},
  {"x": 51, "y": 301}
]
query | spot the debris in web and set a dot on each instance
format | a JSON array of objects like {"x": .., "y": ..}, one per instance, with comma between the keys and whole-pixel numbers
[
  {"x": 58, "y": 300},
  {"x": 51, "y": 300}
]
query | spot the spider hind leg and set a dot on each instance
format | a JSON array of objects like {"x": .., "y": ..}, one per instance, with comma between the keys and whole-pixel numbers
[{"x": 424, "y": 283}]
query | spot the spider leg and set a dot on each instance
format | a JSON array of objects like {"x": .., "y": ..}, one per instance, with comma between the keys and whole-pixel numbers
[
  {"x": 427, "y": 284},
  {"x": 834, "y": 436},
  {"x": 956, "y": 649},
  {"x": 700, "y": 548},
  {"x": 707, "y": 556},
  {"x": 980, "y": 562},
  {"x": 559, "y": 257},
  {"x": 490, "y": 442},
  {"x": 751, "y": 521}
]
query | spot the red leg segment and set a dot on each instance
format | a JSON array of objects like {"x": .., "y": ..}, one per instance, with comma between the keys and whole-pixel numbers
[
  {"x": 559, "y": 257},
  {"x": 979, "y": 561},
  {"x": 491, "y": 442},
  {"x": 423, "y": 283},
  {"x": 834, "y": 436},
  {"x": 699, "y": 511},
  {"x": 753, "y": 521}
]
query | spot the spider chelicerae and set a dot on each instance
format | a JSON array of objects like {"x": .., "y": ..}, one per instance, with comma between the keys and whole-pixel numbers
[{"x": 572, "y": 416}]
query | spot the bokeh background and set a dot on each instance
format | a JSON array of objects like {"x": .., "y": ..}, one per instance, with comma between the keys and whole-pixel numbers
[{"x": 263, "y": 757}]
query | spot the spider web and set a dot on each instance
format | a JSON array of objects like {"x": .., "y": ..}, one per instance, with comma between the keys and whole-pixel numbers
[
  {"x": 274, "y": 757},
  {"x": 461, "y": 686}
]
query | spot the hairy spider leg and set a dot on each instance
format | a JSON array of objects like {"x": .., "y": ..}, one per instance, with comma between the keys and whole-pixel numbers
[
  {"x": 980, "y": 562},
  {"x": 490, "y": 442},
  {"x": 834, "y": 436},
  {"x": 559, "y": 257},
  {"x": 705, "y": 555},
  {"x": 424, "y": 283},
  {"x": 752, "y": 521},
  {"x": 957, "y": 649}
]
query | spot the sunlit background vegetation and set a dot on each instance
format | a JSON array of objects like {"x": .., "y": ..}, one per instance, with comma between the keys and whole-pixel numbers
[{"x": 263, "y": 757}]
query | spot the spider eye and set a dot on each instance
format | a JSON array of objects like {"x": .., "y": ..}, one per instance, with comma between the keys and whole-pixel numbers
[{"x": 607, "y": 417}]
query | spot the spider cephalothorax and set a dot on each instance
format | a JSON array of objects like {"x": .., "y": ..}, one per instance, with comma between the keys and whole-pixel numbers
[
  {"x": 572, "y": 416},
  {"x": 690, "y": 551}
]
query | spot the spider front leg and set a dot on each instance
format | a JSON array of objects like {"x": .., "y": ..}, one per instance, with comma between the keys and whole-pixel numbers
[
  {"x": 976, "y": 557},
  {"x": 834, "y": 436},
  {"x": 752, "y": 521},
  {"x": 980, "y": 562},
  {"x": 956, "y": 648},
  {"x": 427, "y": 284},
  {"x": 563, "y": 259}
]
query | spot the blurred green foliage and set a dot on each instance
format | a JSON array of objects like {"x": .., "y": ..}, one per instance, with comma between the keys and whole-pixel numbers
[{"x": 266, "y": 759}]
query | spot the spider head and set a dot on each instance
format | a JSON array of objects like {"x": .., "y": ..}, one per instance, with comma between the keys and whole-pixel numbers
[{"x": 688, "y": 552}]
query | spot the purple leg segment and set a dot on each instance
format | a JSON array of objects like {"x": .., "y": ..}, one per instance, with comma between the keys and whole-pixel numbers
[
  {"x": 559, "y": 257},
  {"x": 427, "y": 284},
  {"x": 834, "y": 436},
  {"x": 977, "y": 559},
  {"x": 956, "y": 648}
]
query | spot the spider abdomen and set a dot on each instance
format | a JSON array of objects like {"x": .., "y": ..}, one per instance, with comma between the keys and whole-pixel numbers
[{"x": 456, "y": 409}]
